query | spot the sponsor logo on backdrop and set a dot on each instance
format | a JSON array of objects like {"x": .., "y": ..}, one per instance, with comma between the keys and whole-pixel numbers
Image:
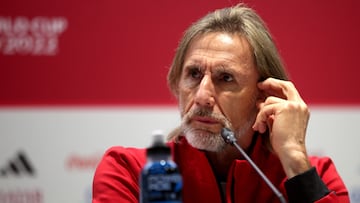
[
  {"x": 82, "y": 162},
  {"x": 39, "y": 35},
  {"x": 21, "y": 196},
  {"x": 19, "y": 165}
]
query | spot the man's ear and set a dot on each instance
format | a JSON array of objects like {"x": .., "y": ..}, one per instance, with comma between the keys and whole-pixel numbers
[
  {"x": 261, "y": 96},
  {"x": 175, "y": 92}
]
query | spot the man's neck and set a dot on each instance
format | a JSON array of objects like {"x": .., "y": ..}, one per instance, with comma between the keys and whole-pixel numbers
[{"x": 222, "y": 161}]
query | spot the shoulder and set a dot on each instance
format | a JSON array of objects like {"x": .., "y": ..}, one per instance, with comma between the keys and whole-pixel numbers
[
  {"x": 326, "y": 169},
  {"x": 121, "y": 160},
  {"x": 117, "y": 175},
  {"x": 126, "y": 152},
  {"x": 321, "y": 163},
  {"x": 131, "y": 157}
]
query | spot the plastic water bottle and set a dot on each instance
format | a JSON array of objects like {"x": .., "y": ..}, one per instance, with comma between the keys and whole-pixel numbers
[{"x": 160, "y": 179}]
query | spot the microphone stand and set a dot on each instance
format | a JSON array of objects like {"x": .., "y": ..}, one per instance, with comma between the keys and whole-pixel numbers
[{"x": 229, "y": 138}]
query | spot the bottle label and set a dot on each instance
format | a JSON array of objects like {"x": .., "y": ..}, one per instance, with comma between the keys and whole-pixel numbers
[{"x": 163, "y": 188}]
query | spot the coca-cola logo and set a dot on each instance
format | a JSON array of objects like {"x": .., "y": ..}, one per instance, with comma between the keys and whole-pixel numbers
[{"x": 83, "y": 162}]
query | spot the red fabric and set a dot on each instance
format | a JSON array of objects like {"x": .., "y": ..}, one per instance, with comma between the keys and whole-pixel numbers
[{"x": 117, "y": 176}]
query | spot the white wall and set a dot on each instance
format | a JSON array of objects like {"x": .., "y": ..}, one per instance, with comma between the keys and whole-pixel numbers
[{"x": 64, "y": 144}]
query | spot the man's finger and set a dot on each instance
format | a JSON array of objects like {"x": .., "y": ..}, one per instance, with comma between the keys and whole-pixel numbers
[{"x": 279, "y": 88}]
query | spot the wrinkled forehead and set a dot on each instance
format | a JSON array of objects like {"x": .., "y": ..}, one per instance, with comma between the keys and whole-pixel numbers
[{"x": 233, "y": 45}]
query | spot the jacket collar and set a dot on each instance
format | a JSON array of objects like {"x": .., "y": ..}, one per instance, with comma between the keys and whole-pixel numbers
[{"x": 198, "y": 175}]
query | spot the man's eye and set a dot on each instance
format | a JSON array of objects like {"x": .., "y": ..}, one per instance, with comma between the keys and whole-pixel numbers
[
  {"x": 195, "y": 73},
  {"x": 227, "y": 77}
]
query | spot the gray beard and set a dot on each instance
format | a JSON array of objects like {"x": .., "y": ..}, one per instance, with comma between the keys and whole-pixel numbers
[{"x": 205, "y": 140}]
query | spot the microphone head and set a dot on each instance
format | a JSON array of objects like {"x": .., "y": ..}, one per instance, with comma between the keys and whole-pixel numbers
[{"x": 228, "y": 136}]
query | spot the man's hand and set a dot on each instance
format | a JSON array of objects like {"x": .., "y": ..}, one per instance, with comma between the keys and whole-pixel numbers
[{"x": 286, "y": 116}]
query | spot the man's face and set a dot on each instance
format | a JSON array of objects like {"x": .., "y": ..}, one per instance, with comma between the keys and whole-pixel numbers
[{"x": 218, "y": 88}]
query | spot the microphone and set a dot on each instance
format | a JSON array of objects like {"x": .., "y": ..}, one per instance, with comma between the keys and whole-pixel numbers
[{"x": 229, "y": 138}]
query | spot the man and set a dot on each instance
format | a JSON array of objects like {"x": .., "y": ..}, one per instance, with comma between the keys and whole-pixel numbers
[{"x": 227, "y": 73}]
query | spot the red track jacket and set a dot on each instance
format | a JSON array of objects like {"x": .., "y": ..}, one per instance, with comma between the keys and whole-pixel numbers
[{"x": 117, "y": 176}]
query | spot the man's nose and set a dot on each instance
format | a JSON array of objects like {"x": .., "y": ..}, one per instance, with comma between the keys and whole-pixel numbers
[{"x": 205, "y": 92}]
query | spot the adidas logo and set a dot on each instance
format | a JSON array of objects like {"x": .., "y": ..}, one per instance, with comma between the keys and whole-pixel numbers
[{"x": 19, "y": 165}]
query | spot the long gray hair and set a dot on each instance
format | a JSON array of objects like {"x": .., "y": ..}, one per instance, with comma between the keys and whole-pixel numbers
[{"x": 240, "y": 20}]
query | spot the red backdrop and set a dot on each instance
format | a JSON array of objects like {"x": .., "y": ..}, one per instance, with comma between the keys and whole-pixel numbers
[{"x": 89, "y": 52}]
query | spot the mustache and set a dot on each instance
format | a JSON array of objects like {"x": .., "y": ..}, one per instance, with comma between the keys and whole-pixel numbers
[{"x": 202, "y": 112}]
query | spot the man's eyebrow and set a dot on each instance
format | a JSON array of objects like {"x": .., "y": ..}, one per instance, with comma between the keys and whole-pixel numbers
[
  {"x": 223, "y": 69},
  {"x": 193, "y": 65}
]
